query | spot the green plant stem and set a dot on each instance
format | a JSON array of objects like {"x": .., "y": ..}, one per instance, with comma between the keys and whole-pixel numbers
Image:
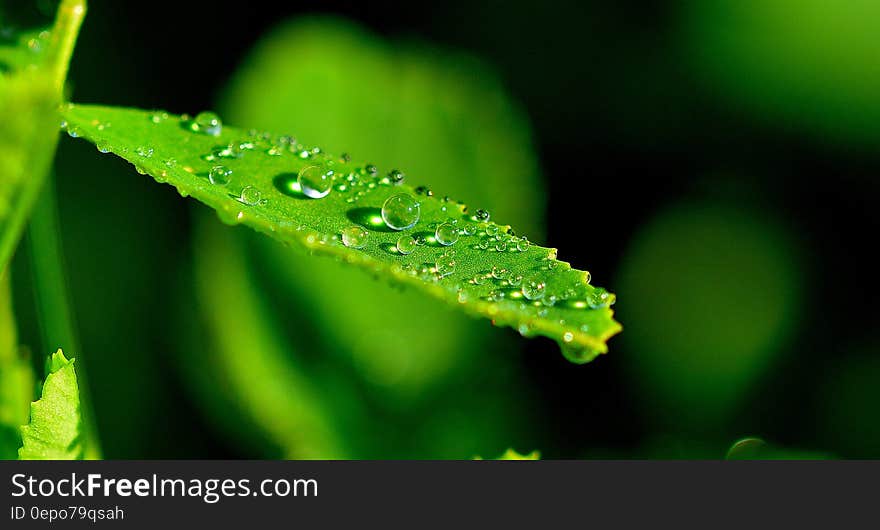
[
  {"x": 64, "y": 33},
  {"x": 52, "y": 301}
]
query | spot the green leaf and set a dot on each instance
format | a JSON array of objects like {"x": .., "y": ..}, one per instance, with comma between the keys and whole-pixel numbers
[
  {"x": 262, "y": 193},
  {"x": 55, "y": 428},
  {"x": 511, "y": 454},
  {"x": 752, "y": 448}
]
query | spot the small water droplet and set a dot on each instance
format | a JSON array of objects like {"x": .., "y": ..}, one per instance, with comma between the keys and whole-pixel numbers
[
  {"x": 600, "y": 298},
  {"x": 146, "y": 152},
  {"x": 158, "y": 117},
  {"x": 498, "y": 273},
  {"x": 491, "y": 229},
  {"x": 501, "y": 246},
  {"x": 445, "y": 264},
  {"x": 315, "y": 181},
  {"x": 74, "y": 132},
  {"x": 250, "y": 196},
  {"x": 103, "y": 147},
  {"x": 446, "y": 234},
  {"x": 396, "y": 176},
  {"x": 207, "y": 123},
  {"x": 424, "y": 190},
  {"x": 549, "y": 300},
  {"x": 523, "y": 244},
  {"x": 515, "y": 280},
  {"x": 481, "y": 216},
  {"x": 400, "y": 211},
  {"x": 406, "y": 244},
  {"x": 219, "y": 175},
  {"x": 354, "y": 237}
]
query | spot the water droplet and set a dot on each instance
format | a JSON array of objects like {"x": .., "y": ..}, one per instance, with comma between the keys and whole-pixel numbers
[
  {"x": 468, "y": 229},
  {"x": 219, "y": 175},
  {"x": 533, "y": 289},
  {"x": 501, "y": 246},
  {"x": 396, "y": 176},
  {"x": 498, "y": 273},
  {"x": 526, "y": 329},
  {"x": 481, "y": 216},
  {"x": 406, "y": 244},
  {"x": 424, "y": 190},
  {"x": 315, "y": 181},
  {"x": 401, "y": 211},
  {"x": 103, "y": 147},
  {"x": 578, "y": 354},
  {"x": 207, "y": 123},
  {"x": 491, "y": 229},
  {"x": 158, "y": 117},
  {"x": 600, "y": 298},
  {"x": 420, "y": 239},
  {"x": 568, "y": 336},
  {"x": 74, "y": 132},
  {"x": 232, "y": 150},
  {"x": 523, "y": 244},
  {"x": 515, "y": 280},
  {"x": 145, "y": 152},
  {"x": 446, "y": 234},
  {"x": 445, "y": 264},
  {"x": 479, "y": 279},
  {"x": 354, "y": 237},
  {"x": 483, "y": 244},
  {"x": 250, "y": 196}
]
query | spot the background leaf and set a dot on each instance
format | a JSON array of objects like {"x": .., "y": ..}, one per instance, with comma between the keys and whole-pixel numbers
[
  {"x": 55, "y": 428},
  {"x": 16, "y": 378},
  {"x": 388, "y": 378}
]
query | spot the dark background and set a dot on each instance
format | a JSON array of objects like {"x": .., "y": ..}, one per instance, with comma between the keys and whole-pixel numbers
[{"x": 626, "y": 125}]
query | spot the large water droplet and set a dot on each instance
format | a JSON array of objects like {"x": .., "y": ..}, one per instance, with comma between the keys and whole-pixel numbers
[
  {"x": 523, "y": 244},
  {"x": 354, "y": 237},
  {"x": 207, "y": 123},
  {"x": 315, "y": 181},
  {"x": 219, "y": 175},
  {"x": 406, "y": 244},
  {"x": 446, "y": 234},
  {"x": 533, "y": 289},
  {"x": 400, "y": 211}
]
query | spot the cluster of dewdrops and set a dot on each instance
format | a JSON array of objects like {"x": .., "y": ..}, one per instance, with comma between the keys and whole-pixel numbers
[{"x": 400, "y": 212}]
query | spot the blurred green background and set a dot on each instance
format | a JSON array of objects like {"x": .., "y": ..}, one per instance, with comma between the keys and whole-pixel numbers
[{"x": 713, "y": 163}]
